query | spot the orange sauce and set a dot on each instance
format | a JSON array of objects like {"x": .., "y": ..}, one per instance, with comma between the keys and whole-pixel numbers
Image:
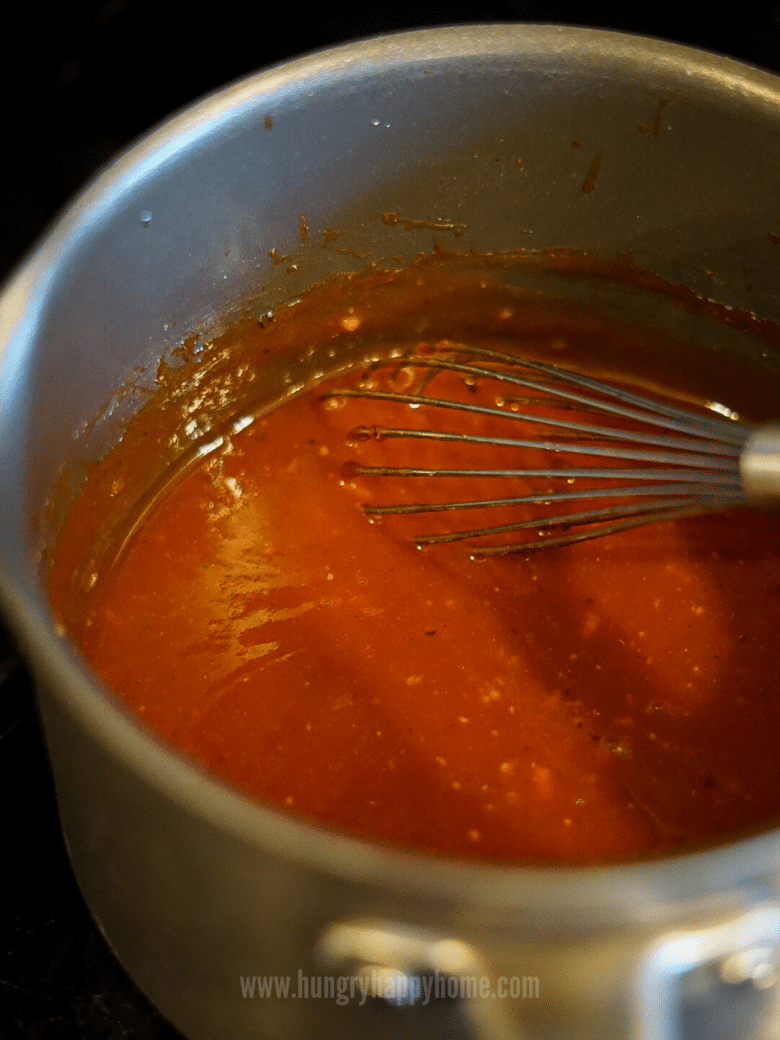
[{"x": 610, "y": 700}]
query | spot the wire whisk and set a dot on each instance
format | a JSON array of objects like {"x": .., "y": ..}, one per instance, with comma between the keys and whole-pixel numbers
[{"x": 584, "y": 458}]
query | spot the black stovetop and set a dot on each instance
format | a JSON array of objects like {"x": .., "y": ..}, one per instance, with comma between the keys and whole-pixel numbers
[{"x": 82, "y": 80}]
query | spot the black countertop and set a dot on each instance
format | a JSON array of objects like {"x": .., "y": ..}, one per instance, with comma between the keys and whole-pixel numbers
[{"x": 82, "y": 80}]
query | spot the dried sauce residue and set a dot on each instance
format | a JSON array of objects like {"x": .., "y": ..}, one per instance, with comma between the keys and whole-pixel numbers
[
  {"x": 303, "y": 228},
  {"x": 330, "y": 235},
  {"x": 279, "y": 258},
  {"x": 391, "y": 219},
  {"x": 268, "y": 122},
  {"x": 655, "y": 128},
  {"x": 593, "y": 172}
]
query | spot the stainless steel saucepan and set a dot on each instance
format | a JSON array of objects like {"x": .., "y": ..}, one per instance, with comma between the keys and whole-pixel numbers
[{"x": 628, "y": 146}]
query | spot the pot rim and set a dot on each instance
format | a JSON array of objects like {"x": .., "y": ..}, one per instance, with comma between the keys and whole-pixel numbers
[{"x": 610, "y": 890}]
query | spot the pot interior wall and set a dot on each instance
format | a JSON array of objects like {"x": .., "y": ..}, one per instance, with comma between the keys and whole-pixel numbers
[{"x": 491, "y": 139}]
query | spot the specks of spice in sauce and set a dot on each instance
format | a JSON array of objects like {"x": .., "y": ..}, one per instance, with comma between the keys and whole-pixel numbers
[{"x": 595, "y": 704}]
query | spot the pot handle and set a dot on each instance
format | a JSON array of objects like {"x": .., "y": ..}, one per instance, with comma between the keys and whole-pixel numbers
[
  {"x": 751, "y": 939},
  {"x": 410, "y": 965}
]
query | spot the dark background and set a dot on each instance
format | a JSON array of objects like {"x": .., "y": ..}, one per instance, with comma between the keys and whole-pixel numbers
[{"x": 81, "y": 80}]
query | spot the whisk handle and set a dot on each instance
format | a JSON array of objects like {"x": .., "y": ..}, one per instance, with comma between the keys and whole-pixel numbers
[{"x": 759, "y": 465}]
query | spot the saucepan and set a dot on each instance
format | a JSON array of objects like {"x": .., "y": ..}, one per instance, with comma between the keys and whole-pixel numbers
[{"x": 496, "y": 137}]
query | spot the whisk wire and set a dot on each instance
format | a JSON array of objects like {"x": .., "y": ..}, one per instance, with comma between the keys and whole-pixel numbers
[
  {"x": 689, "y": 462},
  {"x": 650, "y": 410},
  {"x": 578, "y": 536},
  {"x": 652, "y": 511},
  {"x": 663, "y": 417},
  {"x": 725, "y": 494},
  {"x": 709, "y": 457}
]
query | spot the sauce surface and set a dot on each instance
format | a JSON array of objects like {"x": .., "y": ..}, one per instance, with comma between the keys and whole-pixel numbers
[{"x": 611, "y": 700}]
